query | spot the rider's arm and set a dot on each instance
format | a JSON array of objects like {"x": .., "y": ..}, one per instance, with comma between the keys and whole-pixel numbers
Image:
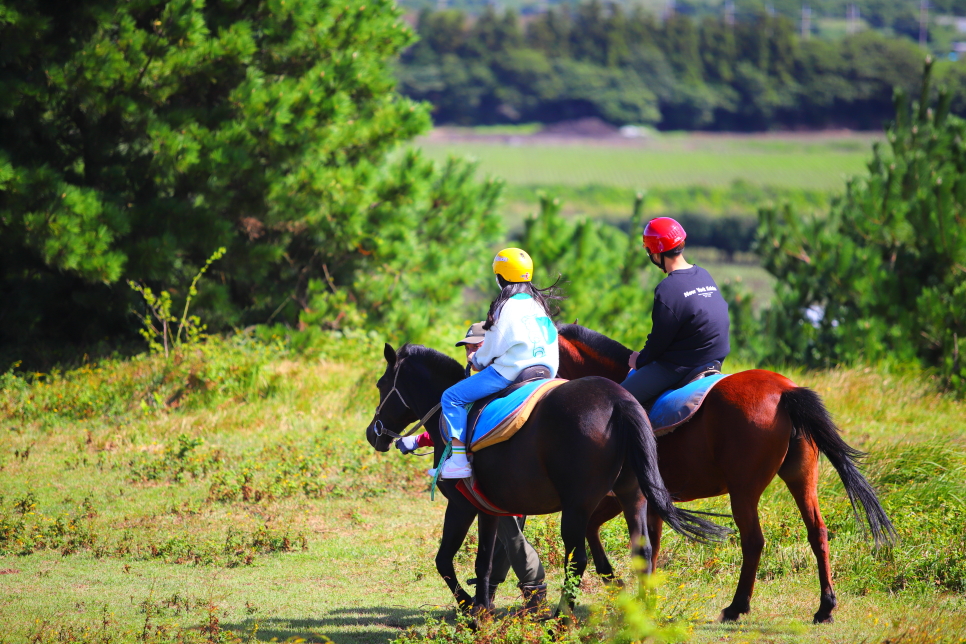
[
  {"x": 493, "y": 347},
  {"x": 664, "y": 327},
  {"x": 424, "y": 440}
]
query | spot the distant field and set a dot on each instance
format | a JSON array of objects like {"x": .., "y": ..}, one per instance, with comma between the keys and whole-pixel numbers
[{"x": 821, "y": 162}]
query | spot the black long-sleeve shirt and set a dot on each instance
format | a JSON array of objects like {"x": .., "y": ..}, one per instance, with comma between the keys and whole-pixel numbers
[{"x": 690, "y": 322}]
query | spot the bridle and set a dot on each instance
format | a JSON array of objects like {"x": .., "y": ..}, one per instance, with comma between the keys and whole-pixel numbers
[{"x": 380, "y": 429}]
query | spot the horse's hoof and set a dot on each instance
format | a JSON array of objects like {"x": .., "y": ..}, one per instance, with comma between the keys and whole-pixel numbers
[
  {"x": 727, "y": 616},
  {"x": 823, "y": 619}
]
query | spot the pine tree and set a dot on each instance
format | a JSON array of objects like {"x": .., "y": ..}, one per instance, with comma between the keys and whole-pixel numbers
[
  {"x": 137, "y": 136},
  {"x": 883, "y": 275}
]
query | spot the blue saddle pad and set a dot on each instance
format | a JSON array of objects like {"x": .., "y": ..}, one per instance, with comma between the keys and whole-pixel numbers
[
  {"x": 501, "y": 408},
  {"x": 678, "y": 405}
]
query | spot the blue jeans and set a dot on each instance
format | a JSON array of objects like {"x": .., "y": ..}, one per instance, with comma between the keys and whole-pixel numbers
[
  {"x": 651, "y": 380},
  {"x": 489, "y": 381}
]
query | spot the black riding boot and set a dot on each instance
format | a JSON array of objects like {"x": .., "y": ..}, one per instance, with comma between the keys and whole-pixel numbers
[{"x": 535, "y": 600}]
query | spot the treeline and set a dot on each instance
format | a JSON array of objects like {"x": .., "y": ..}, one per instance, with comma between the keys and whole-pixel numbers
[
  {"x": 899, "y": 17},
  {"x": 627, "y": 66}
]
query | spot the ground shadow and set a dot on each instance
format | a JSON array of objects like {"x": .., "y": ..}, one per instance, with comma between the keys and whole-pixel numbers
[{"x": 362, "y": 625}]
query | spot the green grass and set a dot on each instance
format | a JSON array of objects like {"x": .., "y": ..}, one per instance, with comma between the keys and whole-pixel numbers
[
  {"x": 251, "y": 503},
  {"x": 820, "y": 163}
]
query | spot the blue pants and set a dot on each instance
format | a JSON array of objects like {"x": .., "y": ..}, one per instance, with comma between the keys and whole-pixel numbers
[
  {"x": 489, "y": 381},
  {"x": 651, "y": 380}
]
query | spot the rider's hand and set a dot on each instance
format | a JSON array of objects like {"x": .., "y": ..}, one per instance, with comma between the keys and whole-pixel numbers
[
  {"x": 632, "y": 361},
  {"x": 407, "y": 444}
]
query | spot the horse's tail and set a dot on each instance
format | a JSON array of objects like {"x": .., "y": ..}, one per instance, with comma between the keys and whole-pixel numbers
[
  {"x": 642, "y": 452},
  {"x": 810, "y": 417}
]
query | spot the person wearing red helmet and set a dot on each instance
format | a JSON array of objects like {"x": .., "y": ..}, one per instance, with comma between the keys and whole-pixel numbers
[{"x": 690, "y": 325}]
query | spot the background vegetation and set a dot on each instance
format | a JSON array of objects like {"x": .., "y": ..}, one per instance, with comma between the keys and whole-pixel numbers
[{"x": 627, "y": 66}]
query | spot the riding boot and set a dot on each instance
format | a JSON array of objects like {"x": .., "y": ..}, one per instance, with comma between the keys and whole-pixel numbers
[{"x": 535, "y": 600}]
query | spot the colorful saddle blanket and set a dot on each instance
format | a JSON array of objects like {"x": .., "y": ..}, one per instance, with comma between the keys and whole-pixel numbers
[
  {"x": 677, "y": 406},
  {"x": 504, "y": 416}
]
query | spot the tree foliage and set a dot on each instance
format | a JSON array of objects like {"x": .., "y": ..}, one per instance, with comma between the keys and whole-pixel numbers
[
  {"x": 884, "y": 275},
  {"x": 625, "y": 66},
  {"x": 137, "y": 136}
]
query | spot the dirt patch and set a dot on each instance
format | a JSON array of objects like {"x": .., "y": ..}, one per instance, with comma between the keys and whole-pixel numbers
[
  {"x": 589, "y": 127},
  {"x": 9, "y": 571},
  {"x": 593, "y": 131}
]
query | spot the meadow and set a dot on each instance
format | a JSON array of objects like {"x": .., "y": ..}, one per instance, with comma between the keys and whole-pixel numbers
[
  {"x": 818, "y": 162},
  {"x": 228, "y": 494}
]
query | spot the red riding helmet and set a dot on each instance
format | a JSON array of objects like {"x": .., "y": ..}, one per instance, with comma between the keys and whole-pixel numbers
[{"x": 663, "y": 234}]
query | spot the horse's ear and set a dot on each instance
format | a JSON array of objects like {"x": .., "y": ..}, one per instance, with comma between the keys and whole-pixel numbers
[{"x": 390, "y": 354}]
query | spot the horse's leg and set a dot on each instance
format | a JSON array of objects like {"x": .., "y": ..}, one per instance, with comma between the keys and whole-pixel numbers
[
  {"x": 487, "y": 524},
  {"x": 744, "y": 508},
  {"x": 800, "y": 473},
  {"x": 635, "y": 513},
  {"x": 654, "y": 526},
  {"x": 608, "y": 508},
  {"x": 456, "y": 523},
  {"x": 573, "y": 527}
]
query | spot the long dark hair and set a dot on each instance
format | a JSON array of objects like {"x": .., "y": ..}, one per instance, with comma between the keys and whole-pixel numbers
[{"x": 545, "y": 297}]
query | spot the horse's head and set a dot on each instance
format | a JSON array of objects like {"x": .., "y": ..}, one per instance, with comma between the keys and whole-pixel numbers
[
  {"x": 414, "y": 381},
  {"x": 393, "y": 414}
]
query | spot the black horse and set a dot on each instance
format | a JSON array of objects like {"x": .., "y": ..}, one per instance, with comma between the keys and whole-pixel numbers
[{"x": 587, "y": 437}]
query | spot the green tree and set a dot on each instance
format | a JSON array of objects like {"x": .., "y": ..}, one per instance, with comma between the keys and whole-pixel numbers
[
  {"x": 883, "y": 275},
  {"x": 550, "y": 32},
  {"x": 137, "y": 136}
]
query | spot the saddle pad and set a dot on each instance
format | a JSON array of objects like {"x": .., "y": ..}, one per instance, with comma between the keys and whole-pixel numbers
[
  {"x": 675, "y": 407},
  {"x": 502, "y": 418}
]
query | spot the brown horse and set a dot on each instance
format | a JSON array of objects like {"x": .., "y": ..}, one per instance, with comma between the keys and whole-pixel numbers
[{"x": 753, "y": 425}]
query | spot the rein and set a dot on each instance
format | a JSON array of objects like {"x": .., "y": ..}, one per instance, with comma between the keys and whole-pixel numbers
[{"x": 381, "y": 430}]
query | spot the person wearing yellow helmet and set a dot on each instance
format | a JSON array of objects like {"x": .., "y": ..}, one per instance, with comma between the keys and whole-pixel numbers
[{"x": 518, "y": 333}]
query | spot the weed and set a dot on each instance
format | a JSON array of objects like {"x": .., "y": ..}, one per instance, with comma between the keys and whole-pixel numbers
[{"x": 159, "y": 311}]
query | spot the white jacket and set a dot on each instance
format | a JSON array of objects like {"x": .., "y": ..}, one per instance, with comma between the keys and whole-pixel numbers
[{"x": 521, "y": 337}]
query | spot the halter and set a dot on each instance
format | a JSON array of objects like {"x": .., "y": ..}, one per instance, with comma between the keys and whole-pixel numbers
[{"x": 381, "y": 430}]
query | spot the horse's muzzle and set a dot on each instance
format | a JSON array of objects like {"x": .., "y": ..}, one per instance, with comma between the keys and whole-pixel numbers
[{"x": 377, "y": 439}]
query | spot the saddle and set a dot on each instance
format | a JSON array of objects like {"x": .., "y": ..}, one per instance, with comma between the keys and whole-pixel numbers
[
  {"x": 710, "y": 369},
  {"x": 677, "y": 405},
  {"x": 536, "y": 372}
]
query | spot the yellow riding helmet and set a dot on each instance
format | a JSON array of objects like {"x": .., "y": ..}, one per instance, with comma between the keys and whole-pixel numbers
[{"x": 513, "y": 265}]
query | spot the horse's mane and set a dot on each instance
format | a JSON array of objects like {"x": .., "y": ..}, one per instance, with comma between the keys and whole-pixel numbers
[
  {"x": 434, "y": 361},
  {"x": 600, "y": 343}
]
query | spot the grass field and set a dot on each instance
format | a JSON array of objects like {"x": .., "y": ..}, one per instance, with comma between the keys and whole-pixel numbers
[
  {"x": 231, "y": 496},
  {"x": 674, "y": 160}
]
